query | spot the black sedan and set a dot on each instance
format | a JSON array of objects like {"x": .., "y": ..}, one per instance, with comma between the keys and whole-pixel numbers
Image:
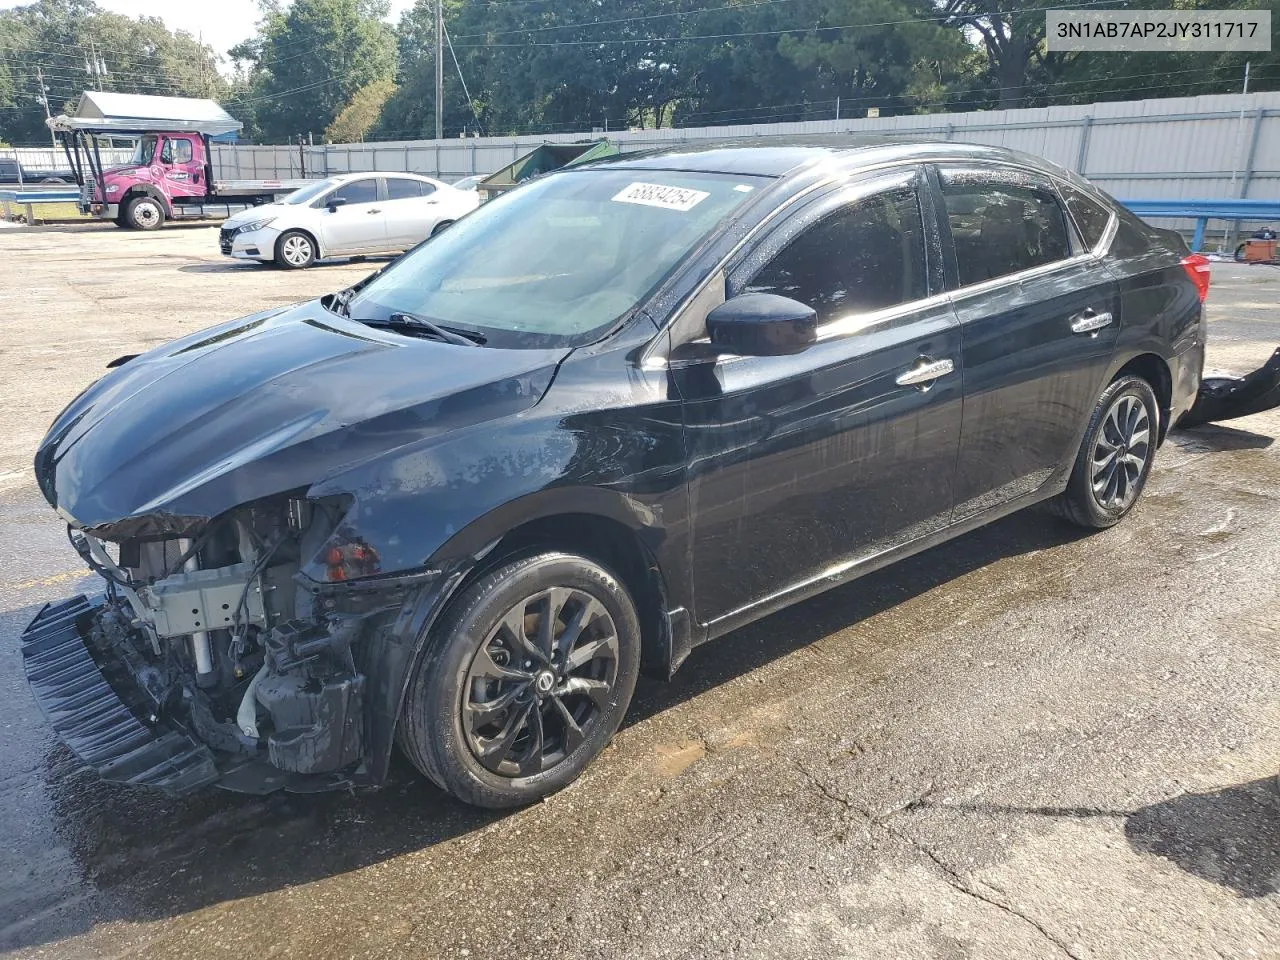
[{"x": 607, "y": 417}]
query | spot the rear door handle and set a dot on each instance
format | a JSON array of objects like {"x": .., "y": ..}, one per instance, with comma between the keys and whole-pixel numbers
[
  {"x": 374, "y": 211},
  {"x": 925, "y": 372},
  {"x": 1090, "y": 320}
]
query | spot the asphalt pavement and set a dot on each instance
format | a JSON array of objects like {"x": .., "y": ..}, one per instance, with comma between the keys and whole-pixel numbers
[{"x": 1030, "y": 742}]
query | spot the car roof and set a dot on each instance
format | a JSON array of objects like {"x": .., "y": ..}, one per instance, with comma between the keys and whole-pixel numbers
[
  {"x": 345, "y": 177},
  {"x": 780, "y": 156}
]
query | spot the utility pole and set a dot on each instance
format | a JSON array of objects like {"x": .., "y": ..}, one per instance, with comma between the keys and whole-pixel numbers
[
  {"x": 44, "y": 99},
  {"x": 439, "y": 69}
]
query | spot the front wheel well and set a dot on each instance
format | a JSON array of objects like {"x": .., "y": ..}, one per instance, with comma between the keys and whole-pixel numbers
[
  {"x": 609, "y": 543},
  {"x": 1155, "y": 371}
]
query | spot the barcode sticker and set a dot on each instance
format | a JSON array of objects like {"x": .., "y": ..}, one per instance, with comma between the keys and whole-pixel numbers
[{"x": 656, "y": 195}]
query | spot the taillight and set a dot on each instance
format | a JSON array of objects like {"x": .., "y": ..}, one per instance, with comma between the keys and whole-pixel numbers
[{"x": 1197, "y": 267}]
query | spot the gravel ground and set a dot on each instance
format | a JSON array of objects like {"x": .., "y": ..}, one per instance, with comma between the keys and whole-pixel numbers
[{"x": 1027, "y": 743}]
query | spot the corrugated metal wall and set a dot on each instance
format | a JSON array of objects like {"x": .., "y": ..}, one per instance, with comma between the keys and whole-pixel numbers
[
  {"x": 1225, "y": 146},
  {"x": 1211, "y": 147}
]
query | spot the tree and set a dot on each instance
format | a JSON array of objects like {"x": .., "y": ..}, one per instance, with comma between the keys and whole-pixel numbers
[
  {"x": 61, "y": 37},
  {"x": 360, "y": 114},
  {"x": 306, "y": 62}
]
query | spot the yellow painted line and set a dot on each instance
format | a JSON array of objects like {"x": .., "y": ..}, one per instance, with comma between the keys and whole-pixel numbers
[{"x": 51, "y": 581}]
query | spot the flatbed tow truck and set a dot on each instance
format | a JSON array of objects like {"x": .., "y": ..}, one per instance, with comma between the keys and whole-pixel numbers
[{"x": 170, "y": 176}]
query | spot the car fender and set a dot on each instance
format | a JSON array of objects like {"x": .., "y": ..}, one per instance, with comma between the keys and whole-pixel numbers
[{"x": 394, "y": 649}]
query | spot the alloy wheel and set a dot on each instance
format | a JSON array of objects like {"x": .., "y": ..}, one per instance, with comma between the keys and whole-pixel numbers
[
  {"x": 1121, "y": 452},
  {"x": 296, "y": 250},
  {"x": 541, "y": 680}
]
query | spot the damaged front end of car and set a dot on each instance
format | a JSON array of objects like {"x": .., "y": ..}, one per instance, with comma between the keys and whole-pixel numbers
[
  {"x": 266, "y": 549},
  {"x": 218, "y": 655}
]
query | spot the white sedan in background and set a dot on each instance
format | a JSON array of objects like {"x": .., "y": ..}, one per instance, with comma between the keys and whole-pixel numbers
[{"x": 352, "y": 214}]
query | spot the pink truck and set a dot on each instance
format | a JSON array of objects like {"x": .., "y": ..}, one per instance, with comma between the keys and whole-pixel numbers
[{"x": 170, "y": 176}]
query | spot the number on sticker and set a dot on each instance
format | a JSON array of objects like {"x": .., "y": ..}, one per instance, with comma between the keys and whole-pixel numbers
[{"x": 656, "y": 195}]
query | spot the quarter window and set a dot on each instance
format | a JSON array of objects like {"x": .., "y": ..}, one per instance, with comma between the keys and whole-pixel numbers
[
  {"x": 999, "y": 228},
  {"x": 1090, "y": 216},
  {"x": 863, "y": 258}
]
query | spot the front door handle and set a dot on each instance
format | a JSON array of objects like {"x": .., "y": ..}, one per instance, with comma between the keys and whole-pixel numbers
[
  {"x": 1090, "y": 321},
  {"x": 925, "y": 372}
]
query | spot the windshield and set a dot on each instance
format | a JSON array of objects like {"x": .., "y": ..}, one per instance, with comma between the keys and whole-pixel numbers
[
  {"x": 144, "y": 151},
  {"x": 310, "y": 191},
  {"x": 558, "y": 260}
]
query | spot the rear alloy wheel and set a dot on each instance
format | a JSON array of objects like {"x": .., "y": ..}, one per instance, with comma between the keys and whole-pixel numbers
[
  {"x": 530, "y": 675},
  {"x": 1115, "y": 458},
  {"x": 144, "y": 213},
  {"x": 295, "y": 250}
]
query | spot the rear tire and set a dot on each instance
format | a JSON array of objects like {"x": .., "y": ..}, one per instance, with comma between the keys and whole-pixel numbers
[
  {"x": 501, "y": 719},
  {"x": 144, "y": 213},
  {"x": 441, "y": 227},
  {"x": 1115, "y": 456},
  {"x": 295, "y": 250}
]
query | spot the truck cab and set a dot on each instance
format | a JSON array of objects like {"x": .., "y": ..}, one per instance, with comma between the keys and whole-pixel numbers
[{"x": 167, "y": 169}]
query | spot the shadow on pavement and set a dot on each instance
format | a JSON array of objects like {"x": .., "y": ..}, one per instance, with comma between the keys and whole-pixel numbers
[
  {"x": 140, "y": 856},
  {"x": 1213, "y": 438},
  {"x": 1230, "y": 837}
]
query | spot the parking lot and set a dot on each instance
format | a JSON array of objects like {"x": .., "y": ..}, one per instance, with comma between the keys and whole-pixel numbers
[{"x": 1027, "y": 743}]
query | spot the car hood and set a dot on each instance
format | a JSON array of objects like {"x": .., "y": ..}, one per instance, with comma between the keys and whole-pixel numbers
[
  {"x": 275, "y": 402},
  {"x": 258, "y": 213}
]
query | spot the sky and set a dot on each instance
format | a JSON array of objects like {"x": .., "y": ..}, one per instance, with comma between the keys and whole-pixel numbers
[{"x": 224, "y": 23}]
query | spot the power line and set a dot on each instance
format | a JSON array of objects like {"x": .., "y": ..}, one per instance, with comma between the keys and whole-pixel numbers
[{"x": 687, "y": 38}]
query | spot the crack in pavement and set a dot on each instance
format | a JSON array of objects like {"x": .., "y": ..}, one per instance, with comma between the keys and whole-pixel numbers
[{"x": 949, "y": 875}]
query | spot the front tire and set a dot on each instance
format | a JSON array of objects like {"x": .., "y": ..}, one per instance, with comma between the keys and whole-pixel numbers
[
  {"x": 144, "y": 213},
  {"x": 295, "y": 250},
  {"x": 526, "y": 680},
  {"x": 1115, "y": 456}
]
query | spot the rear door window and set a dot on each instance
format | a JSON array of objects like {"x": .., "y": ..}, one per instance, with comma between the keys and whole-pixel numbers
[
  {"x": 862, "y": 258},
  {"x": 1002, "y": 224},
  {"x": 402, "y": 188}
]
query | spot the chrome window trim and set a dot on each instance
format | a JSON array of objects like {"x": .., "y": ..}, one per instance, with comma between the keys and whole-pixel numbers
[
  {"x": 995, "y": 283},
  {"x": 649, "y": 360}
]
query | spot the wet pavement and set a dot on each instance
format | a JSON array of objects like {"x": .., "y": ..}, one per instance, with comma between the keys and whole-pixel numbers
[{"x": 1027, "y": 743}]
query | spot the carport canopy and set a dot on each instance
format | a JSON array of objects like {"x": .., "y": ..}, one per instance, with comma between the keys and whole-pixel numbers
[{"x": 130, "y": 113}]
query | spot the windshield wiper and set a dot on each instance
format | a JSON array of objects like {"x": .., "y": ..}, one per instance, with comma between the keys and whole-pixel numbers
[{"x": 408, "y": 323}]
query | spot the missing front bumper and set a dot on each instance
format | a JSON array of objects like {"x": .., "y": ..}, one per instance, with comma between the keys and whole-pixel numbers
[{"x": 92, "y": 718}]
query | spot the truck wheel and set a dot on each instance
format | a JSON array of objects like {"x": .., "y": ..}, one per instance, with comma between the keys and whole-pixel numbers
[
  {"x": 295, "y": 250},
  {"x": 527, "y": 678},
  {"x": 144, "y": 213}
]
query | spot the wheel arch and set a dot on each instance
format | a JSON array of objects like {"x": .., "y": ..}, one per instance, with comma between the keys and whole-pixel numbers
[
  {"x": 309, "y": 234},
  {"x": 601, "y": 525},
  {"x": 146, "y": 190},
  {"x": 1154, "y": 369}
]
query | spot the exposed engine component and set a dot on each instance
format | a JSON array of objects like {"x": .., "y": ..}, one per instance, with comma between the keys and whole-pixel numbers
[{"x": 209, "y": 627}]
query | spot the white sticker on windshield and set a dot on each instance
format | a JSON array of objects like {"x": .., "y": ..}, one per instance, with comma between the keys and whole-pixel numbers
[{"x": 656, "y": 195}]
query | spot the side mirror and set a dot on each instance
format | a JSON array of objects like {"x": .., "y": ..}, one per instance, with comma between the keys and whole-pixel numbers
[
  {"x": 336, "y": 202},
  {"x": 762, "y": 325}
]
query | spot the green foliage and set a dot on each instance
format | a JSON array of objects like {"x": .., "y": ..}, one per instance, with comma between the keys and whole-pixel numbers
[
  {"x": 358, "y": 117},
  {"x": 309, "y": 60},
  {"x": 535, "y": 66},
  {"x": 58, "y": 37}
]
